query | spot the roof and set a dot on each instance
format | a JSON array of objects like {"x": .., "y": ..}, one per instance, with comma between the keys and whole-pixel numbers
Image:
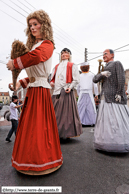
[{"x": 4, "y": 93}]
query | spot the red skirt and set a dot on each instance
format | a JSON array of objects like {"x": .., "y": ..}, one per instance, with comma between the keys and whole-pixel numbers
[{"x": 37, "y": 145}]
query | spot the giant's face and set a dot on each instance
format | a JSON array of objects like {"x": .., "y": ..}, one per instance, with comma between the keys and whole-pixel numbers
[
  {"x": 107, "y": 56},
  {"x": 65, "y": 55},
  {"x": 35, "y": 28}
]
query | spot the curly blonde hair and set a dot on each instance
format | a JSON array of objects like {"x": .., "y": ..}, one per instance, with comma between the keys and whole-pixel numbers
[{"x": 46, "y": 28}]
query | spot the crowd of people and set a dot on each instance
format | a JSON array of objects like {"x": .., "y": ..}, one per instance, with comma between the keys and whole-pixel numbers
[{"x": 45, "y": 120}]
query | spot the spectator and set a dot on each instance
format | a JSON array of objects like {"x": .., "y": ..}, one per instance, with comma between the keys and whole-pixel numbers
[{"x": 13, "y": 117}]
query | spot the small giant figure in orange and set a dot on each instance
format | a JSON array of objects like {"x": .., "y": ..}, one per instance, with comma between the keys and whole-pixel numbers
[{"x": 37, "y": 146}]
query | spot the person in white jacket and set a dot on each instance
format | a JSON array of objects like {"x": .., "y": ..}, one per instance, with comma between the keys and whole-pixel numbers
[{"x": 86, "y": 104}]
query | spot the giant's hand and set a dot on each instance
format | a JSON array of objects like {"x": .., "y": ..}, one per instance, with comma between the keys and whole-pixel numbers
[
  {"x": 106, "y": 73},
  {"x": 18, "y": 84},
  {"x": 52, "y": 84},
  {"x": 68, "y": 90},
  {"x": 10, "y": 65},
  {"x": 118, "y": 98}
]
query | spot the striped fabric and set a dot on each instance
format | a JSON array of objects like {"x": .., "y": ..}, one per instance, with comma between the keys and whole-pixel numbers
[
  {"x": 24, "y": 82},
  {"x": 19, "y": 62}
]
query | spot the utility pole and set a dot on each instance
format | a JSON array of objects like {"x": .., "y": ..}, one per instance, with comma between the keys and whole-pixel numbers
[{"x": 86, "y": 57}]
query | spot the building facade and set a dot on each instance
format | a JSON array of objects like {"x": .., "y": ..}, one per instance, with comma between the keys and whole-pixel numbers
[{"x": 5, "y": 98}]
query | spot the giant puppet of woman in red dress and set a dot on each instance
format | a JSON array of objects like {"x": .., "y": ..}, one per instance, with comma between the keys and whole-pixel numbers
[{"x": 37, "y": 147}]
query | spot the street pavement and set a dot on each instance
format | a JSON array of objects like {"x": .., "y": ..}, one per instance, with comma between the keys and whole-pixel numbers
[
  {"x": 84, "y": 170},
  {"x": 4, "y": 122},
  {"x": 2, "y": 111}
]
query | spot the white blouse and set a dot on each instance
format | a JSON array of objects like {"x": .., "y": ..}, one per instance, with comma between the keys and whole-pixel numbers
[
  {"x": 60, "y": 78},
  {"x": 87, "y": 84},
  {"x": 40, "y": 72}
]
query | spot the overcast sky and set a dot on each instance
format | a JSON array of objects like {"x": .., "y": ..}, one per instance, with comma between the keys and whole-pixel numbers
[{"x": 92, "y": 24}]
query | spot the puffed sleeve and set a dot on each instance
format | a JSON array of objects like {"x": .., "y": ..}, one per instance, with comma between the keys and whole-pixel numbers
[
  {"x": 98, "y": 78},
  {"x": 75, "y": 76},
  {"x": 120, "y": 77},
  {"x": 40, "y": 54}
]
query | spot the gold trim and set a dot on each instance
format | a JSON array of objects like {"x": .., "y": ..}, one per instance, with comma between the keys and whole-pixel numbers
[
  {"x": 40, "y": 172},
  {"x": 32, "y": 79}
]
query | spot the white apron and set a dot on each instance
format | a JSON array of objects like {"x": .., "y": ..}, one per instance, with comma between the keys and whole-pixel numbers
[{"x": 91, "y": 97}]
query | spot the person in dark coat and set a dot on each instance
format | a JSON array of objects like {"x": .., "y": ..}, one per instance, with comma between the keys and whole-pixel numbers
[{"x": 112, "y": 125}]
